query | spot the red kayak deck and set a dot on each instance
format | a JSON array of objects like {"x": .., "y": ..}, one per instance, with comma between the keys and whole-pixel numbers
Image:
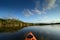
[{"x": 30, "y": 36}]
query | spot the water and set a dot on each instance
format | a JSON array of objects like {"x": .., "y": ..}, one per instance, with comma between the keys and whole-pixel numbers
[{"x": 50, "y": 32}]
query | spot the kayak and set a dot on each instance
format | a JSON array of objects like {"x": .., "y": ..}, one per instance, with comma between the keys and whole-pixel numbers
[{"x": 30, "y": 36}]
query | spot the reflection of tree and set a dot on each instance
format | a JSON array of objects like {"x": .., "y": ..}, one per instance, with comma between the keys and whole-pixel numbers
[{"x": 12, "y": 24}]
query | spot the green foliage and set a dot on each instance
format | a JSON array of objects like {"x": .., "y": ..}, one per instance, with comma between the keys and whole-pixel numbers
[{"x": 11, "y": 25}]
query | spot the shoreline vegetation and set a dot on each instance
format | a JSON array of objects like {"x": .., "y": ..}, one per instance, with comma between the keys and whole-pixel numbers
[{"x": 12, "y": 25}]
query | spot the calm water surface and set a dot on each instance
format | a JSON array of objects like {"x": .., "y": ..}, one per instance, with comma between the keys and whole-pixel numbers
[{"x": 50, "y": 32}]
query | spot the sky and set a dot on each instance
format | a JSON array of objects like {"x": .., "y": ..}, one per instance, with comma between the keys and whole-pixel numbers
[{"x": 34, "y": 11}]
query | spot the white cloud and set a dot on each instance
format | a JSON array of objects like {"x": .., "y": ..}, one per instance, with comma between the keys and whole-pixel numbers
[
  {"x": 27, "y": 12},
  {"x": 51, "y": 4},
  {"x": 36, "y": 11}
]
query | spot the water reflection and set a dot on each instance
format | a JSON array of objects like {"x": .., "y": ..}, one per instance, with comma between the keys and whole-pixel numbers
[
  {"x": 40, "y": 32},
  {"x": 44, "y": 32}
]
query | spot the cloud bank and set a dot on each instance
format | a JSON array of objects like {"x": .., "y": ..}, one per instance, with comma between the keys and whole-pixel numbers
[
  {"x": 46, "y": 5},
  {"x": 51, "y": 4}
]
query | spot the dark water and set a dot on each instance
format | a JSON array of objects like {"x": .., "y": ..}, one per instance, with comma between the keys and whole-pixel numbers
[{"x": 51, "y": 32}]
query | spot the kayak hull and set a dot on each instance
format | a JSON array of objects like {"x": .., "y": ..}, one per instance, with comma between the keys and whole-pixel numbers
[{"x": 30, "y": 36}]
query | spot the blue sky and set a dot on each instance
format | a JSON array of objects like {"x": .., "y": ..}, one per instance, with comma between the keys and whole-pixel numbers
[{"x": 36, "y": 11}]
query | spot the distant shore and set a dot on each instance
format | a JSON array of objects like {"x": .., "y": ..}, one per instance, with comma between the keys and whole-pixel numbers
[{"x": 12, "y": 25}]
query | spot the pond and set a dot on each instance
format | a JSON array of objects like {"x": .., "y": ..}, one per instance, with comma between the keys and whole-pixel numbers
[{"x": 50, "y": 32}]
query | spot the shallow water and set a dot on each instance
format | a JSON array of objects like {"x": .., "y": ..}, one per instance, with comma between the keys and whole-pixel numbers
[{"x": 50, "y": 32}]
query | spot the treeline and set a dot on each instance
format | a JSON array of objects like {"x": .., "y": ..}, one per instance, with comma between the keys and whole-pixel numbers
[
  {"x": 11, "y": 25},
  {"x": 7, "y": 25}
]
